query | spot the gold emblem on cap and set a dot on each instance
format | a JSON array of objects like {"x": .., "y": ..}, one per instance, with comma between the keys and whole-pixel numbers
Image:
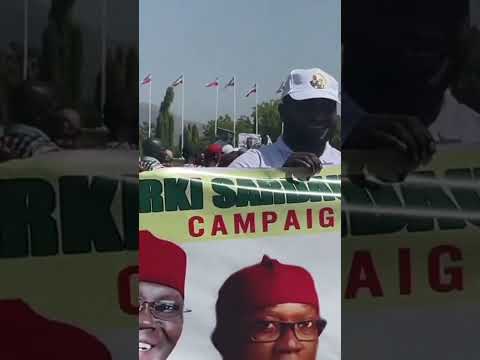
[{"x": 318, "y": 81}]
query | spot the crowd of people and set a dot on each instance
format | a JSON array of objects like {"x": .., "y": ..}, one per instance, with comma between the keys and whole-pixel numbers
[
  {"x": 39, "y": 122},
  {"x": 156, "y": 156}
]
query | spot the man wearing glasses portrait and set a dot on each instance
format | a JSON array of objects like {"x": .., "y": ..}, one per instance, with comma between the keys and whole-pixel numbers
[
  {"x": 268, "y": 311},
  {"x": 161, "y": 296}
]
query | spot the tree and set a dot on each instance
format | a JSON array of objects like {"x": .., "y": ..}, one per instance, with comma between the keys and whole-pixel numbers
[
  {"x": 195, "y": 135},
  {"x": 62, "y": 51},
  {"x": 121, "y": 97},
  {"x": 244, "y": 125},
  {"x": 143, "y": 131},
  {"x": 131, "y": 71},
  {"x": 269, "y": 119},
  {"x": 165, "y": 120},
  {"x": 225, "y": 122},
  {"x": 224, "y": 129}
]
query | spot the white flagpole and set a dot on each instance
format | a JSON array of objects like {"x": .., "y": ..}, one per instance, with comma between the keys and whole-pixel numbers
[
  {"x": 183, "y": 114},
  {"x": 103, "y": 89},
  {"x": 150, "y": 109},
  {"x": 216, "y": 112},
  {"x": 256, "y": 109},
  {"x": 25, "y": 39},
  {"x": 234, "y": 112}
]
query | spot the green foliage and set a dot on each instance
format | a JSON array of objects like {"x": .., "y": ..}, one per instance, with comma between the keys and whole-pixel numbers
[
  {"x": 62, "y": 51},
  {"x": 195, "y": 134},
  {"x": 244, "y": 125},
  {"x": 143, "y": 131},
  {"x": 165, "y": 119},
  {"x": 121, "y": 87},
  {"x": 269, "y": 119},
  {"x": 224, "y": 122}
]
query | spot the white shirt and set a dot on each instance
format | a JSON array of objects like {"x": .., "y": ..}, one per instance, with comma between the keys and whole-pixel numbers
[
  {"x": 275, "y": 155},
  {"x": 456, "y": 122}
]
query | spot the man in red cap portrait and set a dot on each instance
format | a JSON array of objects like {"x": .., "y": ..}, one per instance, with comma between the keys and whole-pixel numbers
[
  {"x": 268, "y": 311},
  {"x": 161, "y": 296}
]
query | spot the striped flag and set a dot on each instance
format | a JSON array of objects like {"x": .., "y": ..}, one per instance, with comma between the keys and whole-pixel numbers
[
  {"x": 213, "y": 83},
  {"x": 230, "y": 83},
  {"x": 280, "y": 89},
  {"x": 147, "y": 80},
  {"x": 178, "y": 81},
  {"x": 251, "y": 91}
]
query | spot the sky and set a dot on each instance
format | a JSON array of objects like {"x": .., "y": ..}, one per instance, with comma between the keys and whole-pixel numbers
[{"x": 259, "y": 41}]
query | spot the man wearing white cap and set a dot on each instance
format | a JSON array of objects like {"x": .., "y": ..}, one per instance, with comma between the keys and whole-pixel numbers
[{"x": 308, "y": 111}]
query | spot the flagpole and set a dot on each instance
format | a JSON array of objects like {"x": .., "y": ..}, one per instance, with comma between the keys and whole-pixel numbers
[
  {"x": 150, "y": 109},
  {"x": 183, "y": 114},
  {"x": 234, "y": 112},
  {"x": 25, "y": 39},
  {"x": 256, "y": 109},
  {"x": 216, "y": 113},
  {"x": 103, "y": 91}
]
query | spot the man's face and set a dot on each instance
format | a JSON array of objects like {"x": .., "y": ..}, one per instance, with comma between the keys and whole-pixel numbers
[
  {"x": 308, "y": 123},
  {"x": 159, "y": 334},
  {"x": 287, "y": 346}
]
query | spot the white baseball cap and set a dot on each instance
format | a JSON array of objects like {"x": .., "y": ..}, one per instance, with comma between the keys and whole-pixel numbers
[
  {"x": 227, "y": 149},
  {"x": 303, "y": 84}
]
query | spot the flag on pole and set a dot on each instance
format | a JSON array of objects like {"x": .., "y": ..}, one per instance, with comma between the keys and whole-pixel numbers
[
  {"x": 280, "y": 89},
  {"x": 231, "y": 82},
  {"x": 253, "y": 90},
  {"x": 213, "y": 83},
  {"x": 178, "y": 81},
  {"x": 147, "y": 79}
]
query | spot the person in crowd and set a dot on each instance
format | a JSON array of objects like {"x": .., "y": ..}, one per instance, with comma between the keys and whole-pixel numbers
[
  {"x": 39, "y": 124},
  {"x": 167, "y": 157},
  {"x": 213, "y": 155},
  {"x": 268, "y": 311},
  {"x": 199, "y": 159},
  {"x": 121, "y": 119},
  {"x": 308, "y": 111},
  {"x": 230, "y": 156},
  {"x": 155, "y": 155},
  {"x": 162, "y": 270},
  {"x": 408, "y": 107},
  {"x": 227, "y": 149}
]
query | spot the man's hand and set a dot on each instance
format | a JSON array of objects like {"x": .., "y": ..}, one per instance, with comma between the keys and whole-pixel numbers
[
  {"x": 308, "y": 163},
  {"x": 405, "y": 135},
  {"x": 5, "y": 150}
]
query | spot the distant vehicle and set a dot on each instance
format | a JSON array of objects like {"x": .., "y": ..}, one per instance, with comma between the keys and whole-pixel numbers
[{"x": 249, "y": 141}]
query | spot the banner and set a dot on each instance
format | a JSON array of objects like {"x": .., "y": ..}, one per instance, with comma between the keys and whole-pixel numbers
[
  {"x": 227, "y": 220},
  {"x": 410, "y": 257},
  {"x": 68, "y": 236}
]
